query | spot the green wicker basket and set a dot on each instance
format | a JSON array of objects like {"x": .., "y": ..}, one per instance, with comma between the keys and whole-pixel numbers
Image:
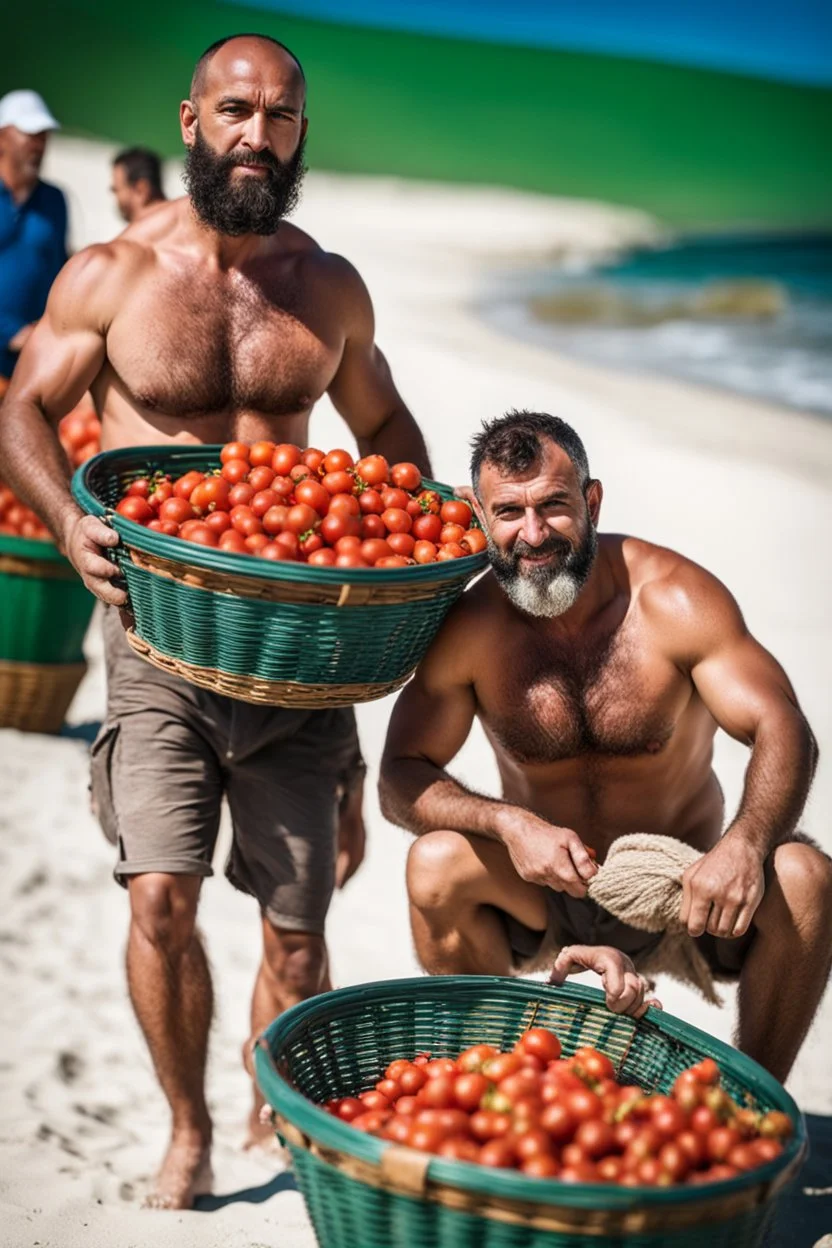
[
  {"x": 44, "y": 606},
  {"x": 278, "y": 633},
  {"x": 364, "y": 1192}
]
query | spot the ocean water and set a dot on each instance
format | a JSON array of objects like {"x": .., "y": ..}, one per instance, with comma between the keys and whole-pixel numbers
[{"x": 749, "y": 314}]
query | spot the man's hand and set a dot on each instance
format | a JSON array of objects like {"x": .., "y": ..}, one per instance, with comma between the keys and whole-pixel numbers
[
  {"x": 547, "y": 855},
  {"x": 625, "y": 989},
  {"x": 721, "y": 891},
  {"x": 352, "y": 836},
  {"x": 84, "y": 538},
  {"x": 18, "y": 342}
]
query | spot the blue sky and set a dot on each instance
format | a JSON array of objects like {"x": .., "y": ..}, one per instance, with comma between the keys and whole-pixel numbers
[{"x": 786, "y": 39}]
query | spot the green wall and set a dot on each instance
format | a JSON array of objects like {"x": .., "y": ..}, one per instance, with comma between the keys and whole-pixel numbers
[{"x": 693, "y": 146}]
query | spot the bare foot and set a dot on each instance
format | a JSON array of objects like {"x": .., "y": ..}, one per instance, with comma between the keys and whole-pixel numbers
[{"x": 185, "y": 1174}]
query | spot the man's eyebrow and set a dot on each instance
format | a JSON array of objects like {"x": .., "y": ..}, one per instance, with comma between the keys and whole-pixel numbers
[{"x": 240, "y": 102}]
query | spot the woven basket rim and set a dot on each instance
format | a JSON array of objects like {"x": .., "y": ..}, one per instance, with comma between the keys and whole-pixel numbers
[
  {"x": 31, "y": 548},
  {"x": 136, "y": 535},
  {"x": 331, "y": 1133}
]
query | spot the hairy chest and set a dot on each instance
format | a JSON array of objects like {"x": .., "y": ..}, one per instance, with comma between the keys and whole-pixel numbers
[
  {"x": 610, "y": 698},
  {"x": 190, "y": 348}
]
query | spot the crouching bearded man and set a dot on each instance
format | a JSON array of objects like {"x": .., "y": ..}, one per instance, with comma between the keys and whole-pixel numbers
[{"x": 600, "y": 667}]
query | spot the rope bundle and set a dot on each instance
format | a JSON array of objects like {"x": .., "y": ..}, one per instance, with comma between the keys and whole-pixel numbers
[{"x": 641, "y": 884}]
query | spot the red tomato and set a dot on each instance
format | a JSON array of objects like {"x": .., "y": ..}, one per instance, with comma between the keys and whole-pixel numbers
[
  {"x": 451, "y": 550},
  {"x": 301, "y": 518},
  {"x": 161, "y": 492},
  {"x": 274, "y": 520},
  {"x": 299, "y": 473},
  {"x": 334, "y": 526},
  {"x": 261, "y": 453},
  {"x": 440, "y": 1066},
  {"x": 540, "y": 1042},
  {"x": 234, "y": 450},
  {"x": 176, "y": 509},
  {"x": 140, "y": 488},
  {"x": 348, "y": 543},
  {"x": 273, "y": 551},
  {"x": 412, "y": 1079},
  {"x": 373, "y": 470},
  {"x": 155, "y": 525},
  {"x": 324, "y": 558},
  {"x": 687, "y": 1090},
  {"x": 406, "y": 476},
  {"x": 245, "y": 521},
  {"x": 183, "y": 487},
  {"x": 311, "y": 543},
  {"x": 430, "y": 502},
  {"x": 609, "y": 1169},
  {"x": 650, "y": 1173},
  {"x": 456, "y": 512},
  {"x": 425, "y": 1138},
  {"x": 451, "y": 533},
  {"x": 520, "y": 1083},
  {"x": 369, "y": 502},
  {"x": 459, "y": 1148},
  {"x": 263, "y": 500},
  {"x": 397, "y": 1129},
  {"x": 234, "y": 543},
  {"x": 169, "y": 528},
  {"x": 497, "y": 1153},
  {"x": 260, "y": 478},
  {"x": 706, "y": 1071},
  {"x": 414, "y": 508},
  {"x": 559, "y": 1121},
  {"x": 284, "y": 486},
  {"x": 218, "y": 522},
  {"x": 469, "y": 1090},
  {"x": 371, "y": 1121},
  {"x": 595, "y": 1137},
  {"x": 487, "y": 1124},
  {"x": 667, "y": 1117},
  {"x": 289, "y": 541},
  {"x": 391, "y": 1088},
  {"x": 721, "y": 1141},
  {"x": 472, "y": 1059},
  {"x": 767, "y": 1149},
  {"x": 424, "y": 552},
  {"x": 210, "y": 494},
  {"x": 584, "y": 1104},
  {"x": 497, "y": 1068},
  {"x": 534, "y": 1143},
  {"x": 393, "y": 561},
  {"x": 201, "y": 534},
  {"x": 313, "y": 458},
  {"x": 742, "y": 1157},
  {"x": 407, "y": 1105},
  {"x": 542, "y": 1166},
  {"x": 401, "y": 544},
  {"x": 136, "y": 509},
  {"x": 255, "y": 542},
  {"x": 337, "y": 461},
  {"x": 338, "y": 483},
  {"x": 314, "y": 495},
  {"x": 427, "y": 528},
  {"x": 776, "y": 1125},
  {"x": 234, "y": 470},
  {"x": 391, "y": 497},
  {"x": 438, "y": 1092},
  {"x": 344, "y": 504},
  {"x": 240, "y": 495},
  {"x": 350, "y": 559},
  {"x": 374, "y": 549},
  {"x": 372, "y": 526},
  {"x": 674, "y": 1160},
  {"x": 703, "y": 1120},
  {"x": 374, "y": 1099},
  {"x": 579, "y": 1172},
  {"x": 396, "y": 520},
  {"x": 285, "y": 457}
]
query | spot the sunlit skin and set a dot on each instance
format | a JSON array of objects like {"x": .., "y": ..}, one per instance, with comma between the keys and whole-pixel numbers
[
  {"x": 186, "y": 335},
  {"x": 602, "y": 722}
]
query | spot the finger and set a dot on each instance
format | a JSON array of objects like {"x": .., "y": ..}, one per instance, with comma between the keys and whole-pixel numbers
[
  {"x": 111, "y": 594},
  {"x": 568, "y": 961},
  {"x": 743, "y": 921},
  {"x": 652, "y": 1003},
  {"x": 583, "y": 864},
  {"x": 95, "y": 565},
  {"x": 568, "y": 880},
  {"x": 713, "y": 919},
  {"x": 700, "y": 909},
  {"x": 99, "y": 532},
  {"x": 611, "y": 970},
  {"x": 727, "y": 922},
  {"x": 686, "y": 899}
]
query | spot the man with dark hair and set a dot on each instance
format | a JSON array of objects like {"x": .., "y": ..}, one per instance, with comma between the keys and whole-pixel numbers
[
  {"x": 137, "y": 182},
  {"x": 210, "y": 319},
  {"x": 600, "y": 667}
]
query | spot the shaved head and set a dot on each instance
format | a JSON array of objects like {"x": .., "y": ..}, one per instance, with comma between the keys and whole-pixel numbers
[{"x": 269, "y": 46}]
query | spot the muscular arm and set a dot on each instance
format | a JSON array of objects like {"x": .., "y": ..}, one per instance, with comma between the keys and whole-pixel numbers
[
  {"x": 429, "y": 725},
  {"x": 63, "y": 355},
  {"x": 363, "y": 390}
]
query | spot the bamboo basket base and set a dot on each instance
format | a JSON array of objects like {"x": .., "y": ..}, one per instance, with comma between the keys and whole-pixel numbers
[
  {"x": 263, "y": 692},
  {"x": 35, "y": 697}
]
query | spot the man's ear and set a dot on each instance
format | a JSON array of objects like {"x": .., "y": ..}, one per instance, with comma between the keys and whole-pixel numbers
[
  {"x": 594, "y": 495},
  {"x": 187, "y": 122}
]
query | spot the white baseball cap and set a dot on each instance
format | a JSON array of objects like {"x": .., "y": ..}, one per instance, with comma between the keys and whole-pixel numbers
[{"x": 26, "y": 111}]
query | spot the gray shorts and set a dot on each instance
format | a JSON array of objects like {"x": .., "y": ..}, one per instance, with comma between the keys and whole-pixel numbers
[{"x": 167, "y": 754}]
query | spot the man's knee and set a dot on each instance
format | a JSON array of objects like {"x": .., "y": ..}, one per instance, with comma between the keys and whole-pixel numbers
[
  {"x": 804, "y": 873},
  {"x": 295, "y": 961},
  {"x": 436, "y": 869},
  {"x": 163, "y": 909}
]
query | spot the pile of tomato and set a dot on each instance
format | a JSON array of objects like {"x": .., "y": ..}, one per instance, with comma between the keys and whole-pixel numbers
[
  {"x": 565, "y": 1118},
  {"x": 80, "y": 436},
  {"x": 284, "y": 503}
]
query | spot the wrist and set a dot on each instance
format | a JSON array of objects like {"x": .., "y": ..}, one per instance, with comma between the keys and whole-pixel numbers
[{"x": 751, "y": 839}]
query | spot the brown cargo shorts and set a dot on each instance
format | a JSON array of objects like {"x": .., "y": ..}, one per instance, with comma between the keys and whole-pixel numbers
[{"x": 169, "y": 752}]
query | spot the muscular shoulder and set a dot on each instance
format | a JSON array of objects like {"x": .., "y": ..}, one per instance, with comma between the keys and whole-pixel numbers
[
  {"x": 466, "y": 643},
  {"x": 690, "y": 607},
  {"x": 343, "y": 284},
  {"x": 86, "y": 291}
]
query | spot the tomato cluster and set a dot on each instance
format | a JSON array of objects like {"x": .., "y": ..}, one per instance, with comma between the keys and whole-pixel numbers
[
  {"x": 309, "y": 506},
  {"x": 80, "y": 436},
  {"x": 565, "y": 1118}
]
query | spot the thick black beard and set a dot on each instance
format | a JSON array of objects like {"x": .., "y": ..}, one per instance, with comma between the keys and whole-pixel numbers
[
  {"x": 248, "y": 205},
  {"x": 574, "y": 561}
]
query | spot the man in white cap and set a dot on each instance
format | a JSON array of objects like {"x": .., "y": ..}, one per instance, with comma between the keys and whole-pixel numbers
[{"x": 33, "y": 221}]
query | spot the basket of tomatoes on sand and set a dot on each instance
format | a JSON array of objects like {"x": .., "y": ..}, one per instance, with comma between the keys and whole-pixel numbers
[
  {"x": 279, "y": 574},
  {"x": 480, "y": 1112},
  {"x": 44, "y": 607}
]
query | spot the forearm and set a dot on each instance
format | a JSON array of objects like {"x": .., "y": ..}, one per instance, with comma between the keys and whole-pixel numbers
[
  {"x": 33, "y": 463},
  {"x": 399, "y": 440},
  {"x": 777, "y": 782},
  {"x": 417, "y": 795}
]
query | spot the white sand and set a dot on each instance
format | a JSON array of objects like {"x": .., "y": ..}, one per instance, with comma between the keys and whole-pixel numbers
[{"x": 741, "y": 487}]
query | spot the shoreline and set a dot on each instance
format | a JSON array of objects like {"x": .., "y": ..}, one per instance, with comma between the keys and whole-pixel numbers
[{"x": 734, "y": 484}]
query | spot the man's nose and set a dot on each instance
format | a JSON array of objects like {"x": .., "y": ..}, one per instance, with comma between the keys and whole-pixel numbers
[
  {"x": 254, "y": 136},
  {"x": 533, "y": 532}
]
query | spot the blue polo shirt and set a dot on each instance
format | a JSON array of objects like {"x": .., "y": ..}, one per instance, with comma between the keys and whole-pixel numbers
[{"x": 32, "y": 252}]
